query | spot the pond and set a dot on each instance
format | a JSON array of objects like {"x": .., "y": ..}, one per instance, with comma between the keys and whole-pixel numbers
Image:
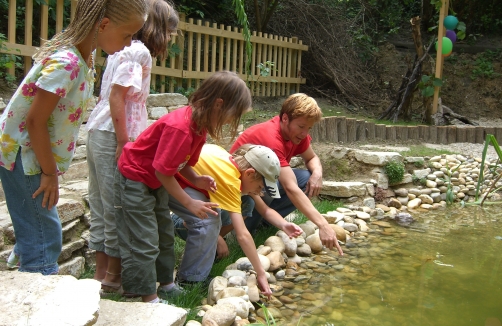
[{"x": 444, "y": 269}]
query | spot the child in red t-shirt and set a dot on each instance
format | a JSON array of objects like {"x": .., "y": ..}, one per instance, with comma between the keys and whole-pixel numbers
[{"x": 145, "y": 181}]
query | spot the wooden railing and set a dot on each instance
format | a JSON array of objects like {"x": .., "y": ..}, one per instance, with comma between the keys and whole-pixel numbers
[
  {"x": 347, "y": 130},
  {"x": 203, "y": 49}
]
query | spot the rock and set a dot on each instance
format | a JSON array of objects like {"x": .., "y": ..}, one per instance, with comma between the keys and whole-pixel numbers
[
  {"x": 241, "y": 306},
  {"x": 235, "y": 281},
  {"x": 244, "y": 264},
  {"x": 50, "y": 300},
  {"x": 393, "y": 202},
  {"x": 314, "y": 242},
  {"x": 216, "y": 286},
  {"x": 230, "y": 292},
  {"x": 165, "y": 100},
  {"x": 139, "y": 313},
  {"x": 275, "y": 243},
  {"x": 263, "y": 250},
  {"x": 73, "y": 267},
  {"x": 304, "y": 250},
  {"x": 403, "y": 219},
  {"x": 340, "y": 232},
  {"x": 276, "y": 261},
  {"x": 289, "y": 244},
  {"x": 221, "y": 315},
  {"x": 69, "y": 248},
  {"x": 69, "y": 209},
  {"x": 414, "y": 203},
  {"x": 309, "y": 229},
  {"x": 233, "y": 272}
]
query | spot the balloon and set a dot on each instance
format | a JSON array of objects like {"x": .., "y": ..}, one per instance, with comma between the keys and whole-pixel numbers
[
  {"x": 447, "y": 55},
  {"x": 447, "y": 46},
  {"x": 451, "y": 35},
  {"x": 450, "y": 22}
]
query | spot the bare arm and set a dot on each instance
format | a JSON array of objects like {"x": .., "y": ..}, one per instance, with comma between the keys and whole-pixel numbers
[
  {"x": 205, "y": 182},
  {"x": 199, "y": 208},
  {"x": 249, "y": 247},
  {"x": 304, "y": 205},
  {"x": 118, "y": 114},
  {"x": 291, "y": 229},
  {"x": 313, "y": 164},
  {"x": 40, "y": 110}
]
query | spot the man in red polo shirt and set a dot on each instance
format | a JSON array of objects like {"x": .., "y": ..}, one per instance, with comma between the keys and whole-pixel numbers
[{"x": 288, "y": 135}]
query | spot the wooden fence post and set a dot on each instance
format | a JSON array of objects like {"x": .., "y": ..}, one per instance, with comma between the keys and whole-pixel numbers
[
  {"x": 360, "y": 130},
  {"x": 452, "y": 134},
  {"x": 390, "y": 133},
  {"x": 370, "y": 130},
  {"x": 380, "y": 131},
  {"x": 341, "y": 123}
]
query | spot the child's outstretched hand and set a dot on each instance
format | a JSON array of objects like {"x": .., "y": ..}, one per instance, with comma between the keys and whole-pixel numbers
[
  {"x": 263, "y": 285},
  {"x": 292, "y": 230},
  {"x": 203, "y": 209},
  {"x": 205, "y": 182}
]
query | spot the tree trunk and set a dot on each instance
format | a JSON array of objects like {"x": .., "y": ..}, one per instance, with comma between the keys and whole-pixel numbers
[{"x": 426, "y": 69}]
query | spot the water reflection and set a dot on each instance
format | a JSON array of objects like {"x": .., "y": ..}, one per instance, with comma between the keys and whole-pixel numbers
[{"x": 444, "y": 269}]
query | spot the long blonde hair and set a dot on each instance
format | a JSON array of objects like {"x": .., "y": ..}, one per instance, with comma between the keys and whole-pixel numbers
[{"x": 87, "y": 14}]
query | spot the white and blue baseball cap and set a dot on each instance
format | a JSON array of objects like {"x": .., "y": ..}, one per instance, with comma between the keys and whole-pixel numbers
[{"x": 266, "y": 163}]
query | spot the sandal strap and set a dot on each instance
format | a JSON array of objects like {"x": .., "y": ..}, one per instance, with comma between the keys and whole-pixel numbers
[{"x": 109, "y": 273}]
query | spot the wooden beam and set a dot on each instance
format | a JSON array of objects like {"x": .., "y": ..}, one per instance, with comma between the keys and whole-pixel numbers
[{"x": 439, "y": 54}]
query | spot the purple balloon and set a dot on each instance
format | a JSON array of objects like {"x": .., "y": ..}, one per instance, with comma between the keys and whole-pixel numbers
[{"x": 451, "y": 35}]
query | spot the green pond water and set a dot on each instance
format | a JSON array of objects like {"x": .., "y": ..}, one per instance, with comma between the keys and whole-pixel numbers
[{"x": 444, "y": 269}]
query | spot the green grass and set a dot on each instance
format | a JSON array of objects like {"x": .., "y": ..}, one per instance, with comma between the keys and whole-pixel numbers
[
  {"x": 422, "y": 151},
  {"x": 196, "y": 293}
]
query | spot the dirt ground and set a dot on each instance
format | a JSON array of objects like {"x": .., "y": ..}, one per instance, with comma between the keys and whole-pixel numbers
[{"x": 463, "y": 92}]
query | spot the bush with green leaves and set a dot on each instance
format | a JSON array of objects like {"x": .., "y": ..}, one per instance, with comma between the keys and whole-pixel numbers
[{"x": 394, "y": 171}]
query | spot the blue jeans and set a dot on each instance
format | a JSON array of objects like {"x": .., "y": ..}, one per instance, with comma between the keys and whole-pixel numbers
[
  {"x": 282, "y": 205},
  {"x": 201, "y": 239},
  {"x": 38, "y": 230},
  {"x": 247, "y": 206}
]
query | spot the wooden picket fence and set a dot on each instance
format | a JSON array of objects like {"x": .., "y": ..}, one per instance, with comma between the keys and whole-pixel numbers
[
  {"x": 202, "y": 47},
  {"x": 346, "y": 130}
]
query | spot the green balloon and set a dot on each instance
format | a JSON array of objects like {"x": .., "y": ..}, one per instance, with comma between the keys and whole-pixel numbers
[{"x": 447, "y": 46}]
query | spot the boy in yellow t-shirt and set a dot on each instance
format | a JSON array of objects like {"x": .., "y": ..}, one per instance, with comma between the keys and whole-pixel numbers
[{"x": 249, "y": 171}]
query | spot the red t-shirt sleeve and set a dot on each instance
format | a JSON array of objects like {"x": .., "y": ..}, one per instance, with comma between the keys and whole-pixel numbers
[
  {"x": 173, "y": 151},
  {"x": 196, "y": 153}
]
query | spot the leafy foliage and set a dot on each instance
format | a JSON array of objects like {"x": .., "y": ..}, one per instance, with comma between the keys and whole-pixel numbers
[
  {"x": 427, "y": 85},
  {"x": 394, "y": 171}
]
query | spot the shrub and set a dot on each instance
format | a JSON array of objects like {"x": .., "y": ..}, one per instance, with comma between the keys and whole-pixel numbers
[{"x": 394, "y": 171}]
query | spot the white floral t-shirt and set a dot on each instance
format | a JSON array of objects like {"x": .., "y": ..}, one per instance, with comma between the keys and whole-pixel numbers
[
  {"x": 129, "y": 68},
  {"x": 65, "y": 74}
]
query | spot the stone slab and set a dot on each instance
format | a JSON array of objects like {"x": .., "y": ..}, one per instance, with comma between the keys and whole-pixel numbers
[
  {"x": 34, "y": 300},
  {"x": 139, "y": 313}
]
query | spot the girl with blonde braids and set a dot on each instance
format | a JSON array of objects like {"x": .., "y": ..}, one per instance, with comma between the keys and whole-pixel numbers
[
  {"x": 119, "y": 117},
  {"x": 40, "y": 125}
]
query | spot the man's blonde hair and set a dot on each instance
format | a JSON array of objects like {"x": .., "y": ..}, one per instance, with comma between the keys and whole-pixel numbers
[
  {"x": 301, "y": 105},
  {"x": 87, "y": 14}
]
